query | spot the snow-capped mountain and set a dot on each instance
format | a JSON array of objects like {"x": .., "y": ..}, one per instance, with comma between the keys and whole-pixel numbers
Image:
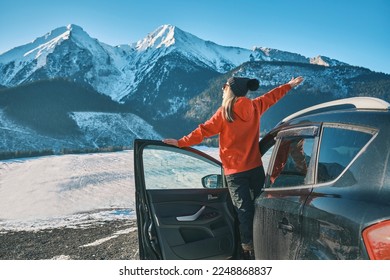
[
  {"x": 170, "y": 76},
  {"x": 69, "y": 52},
  {"x": 267, "y": 54},
  {"x": 116, "y": 71},
  {"x": 168, "y": 38}
]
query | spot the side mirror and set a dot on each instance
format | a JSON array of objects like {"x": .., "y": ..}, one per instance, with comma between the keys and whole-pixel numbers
[{"x": 212, "y": 181}]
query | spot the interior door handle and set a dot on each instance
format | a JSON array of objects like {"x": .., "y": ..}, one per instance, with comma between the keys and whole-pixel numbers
[{"x": 191, "y": 218}]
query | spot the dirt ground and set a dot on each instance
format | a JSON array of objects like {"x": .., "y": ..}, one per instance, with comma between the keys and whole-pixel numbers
[{"x": 113, "y": 240}]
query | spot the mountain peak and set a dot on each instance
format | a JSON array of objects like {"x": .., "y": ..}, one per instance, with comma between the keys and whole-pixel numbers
[
  {"x": 74, "y": 27},
  {"x": 326, "y": 61},
  {"x": 164, "y": 36},
  {"x": 168, "y": 35},
  {"x": 36, "y": 48},
  {"x": 63, "y": 32}
]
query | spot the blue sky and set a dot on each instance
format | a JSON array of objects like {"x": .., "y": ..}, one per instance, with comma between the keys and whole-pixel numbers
[{"x": 356, "y": 32}]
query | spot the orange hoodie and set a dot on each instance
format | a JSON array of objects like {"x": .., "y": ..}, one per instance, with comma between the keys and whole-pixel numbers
[{"x": 238, "y": 140}]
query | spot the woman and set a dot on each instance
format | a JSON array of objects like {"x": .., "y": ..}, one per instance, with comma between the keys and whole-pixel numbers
[{"x": 237, "y": 122}]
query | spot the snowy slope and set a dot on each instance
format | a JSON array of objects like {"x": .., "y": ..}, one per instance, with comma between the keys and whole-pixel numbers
[
  {"x": 17, "y": 137},
  {"x": 97, "y": 130},
  {"x": 113, "y": 129}
]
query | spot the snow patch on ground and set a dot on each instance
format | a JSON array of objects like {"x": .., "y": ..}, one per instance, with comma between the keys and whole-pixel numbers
[
  {"x": 68, "y": 190},
  {"x": 115, "y": 235}
]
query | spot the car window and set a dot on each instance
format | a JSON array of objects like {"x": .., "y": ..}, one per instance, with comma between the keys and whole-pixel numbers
[
  {"x": 292, "y": 162},
  {"x": 172, "y": 168},
  {"x": 337, "y": 150}
]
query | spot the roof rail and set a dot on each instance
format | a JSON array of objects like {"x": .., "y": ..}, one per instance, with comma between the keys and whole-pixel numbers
[{"x": 358, "y": 102}]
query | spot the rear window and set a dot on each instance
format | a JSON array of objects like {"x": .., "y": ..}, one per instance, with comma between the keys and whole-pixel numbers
[{"x": 338, "y": 148}]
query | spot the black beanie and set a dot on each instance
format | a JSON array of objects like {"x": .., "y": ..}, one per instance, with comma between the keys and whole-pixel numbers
[{"x": 240, "y": 86}]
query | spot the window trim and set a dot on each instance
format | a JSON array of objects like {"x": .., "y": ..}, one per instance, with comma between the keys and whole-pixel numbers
[{"x": 303, "y": 131}]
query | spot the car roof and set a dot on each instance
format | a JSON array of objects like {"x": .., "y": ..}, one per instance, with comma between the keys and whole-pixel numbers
[
  {"x": 366, "y": 111},
  {"x": 360, "y": 103}
]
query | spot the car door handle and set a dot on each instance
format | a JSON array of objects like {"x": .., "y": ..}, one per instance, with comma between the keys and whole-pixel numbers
[
  {"x": 284, "y": 225},
  {"x": 191, "y": 218}
]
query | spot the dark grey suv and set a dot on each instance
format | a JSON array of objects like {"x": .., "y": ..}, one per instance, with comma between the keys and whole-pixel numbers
[{"x": 326, "y": 195}]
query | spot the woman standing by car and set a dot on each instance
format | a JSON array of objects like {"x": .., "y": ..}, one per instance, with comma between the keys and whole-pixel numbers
[{"x": 237, "y": 122}]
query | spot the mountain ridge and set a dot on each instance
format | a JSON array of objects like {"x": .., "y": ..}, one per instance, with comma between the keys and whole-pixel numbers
[
  {"x": 170, "y": 80},
  {"x": 122, "y": 58}
]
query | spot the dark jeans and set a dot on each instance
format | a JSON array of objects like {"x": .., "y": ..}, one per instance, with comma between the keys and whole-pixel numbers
[{"x": 244, "y": 187}]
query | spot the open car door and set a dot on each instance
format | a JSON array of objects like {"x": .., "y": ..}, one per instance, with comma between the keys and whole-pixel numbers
[{"x": 184, "y": 210}]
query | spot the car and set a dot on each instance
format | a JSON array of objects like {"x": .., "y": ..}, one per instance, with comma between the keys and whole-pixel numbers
[{"x": 326, "y": 194}]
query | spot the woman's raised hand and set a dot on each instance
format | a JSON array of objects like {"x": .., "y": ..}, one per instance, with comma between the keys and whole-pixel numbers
[{"x": 295, "y": 81}]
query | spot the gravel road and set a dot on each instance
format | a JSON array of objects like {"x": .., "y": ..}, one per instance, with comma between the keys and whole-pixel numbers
[{"x": 112, "y": 240}]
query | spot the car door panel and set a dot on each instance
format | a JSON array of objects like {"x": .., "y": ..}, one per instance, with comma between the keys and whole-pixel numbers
[
  {"x": 277, "y": 224},
  {"x": 207, "y": 235},
  {"x": 182, "y": 219},
  {"x": 289, "y": 182}
]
